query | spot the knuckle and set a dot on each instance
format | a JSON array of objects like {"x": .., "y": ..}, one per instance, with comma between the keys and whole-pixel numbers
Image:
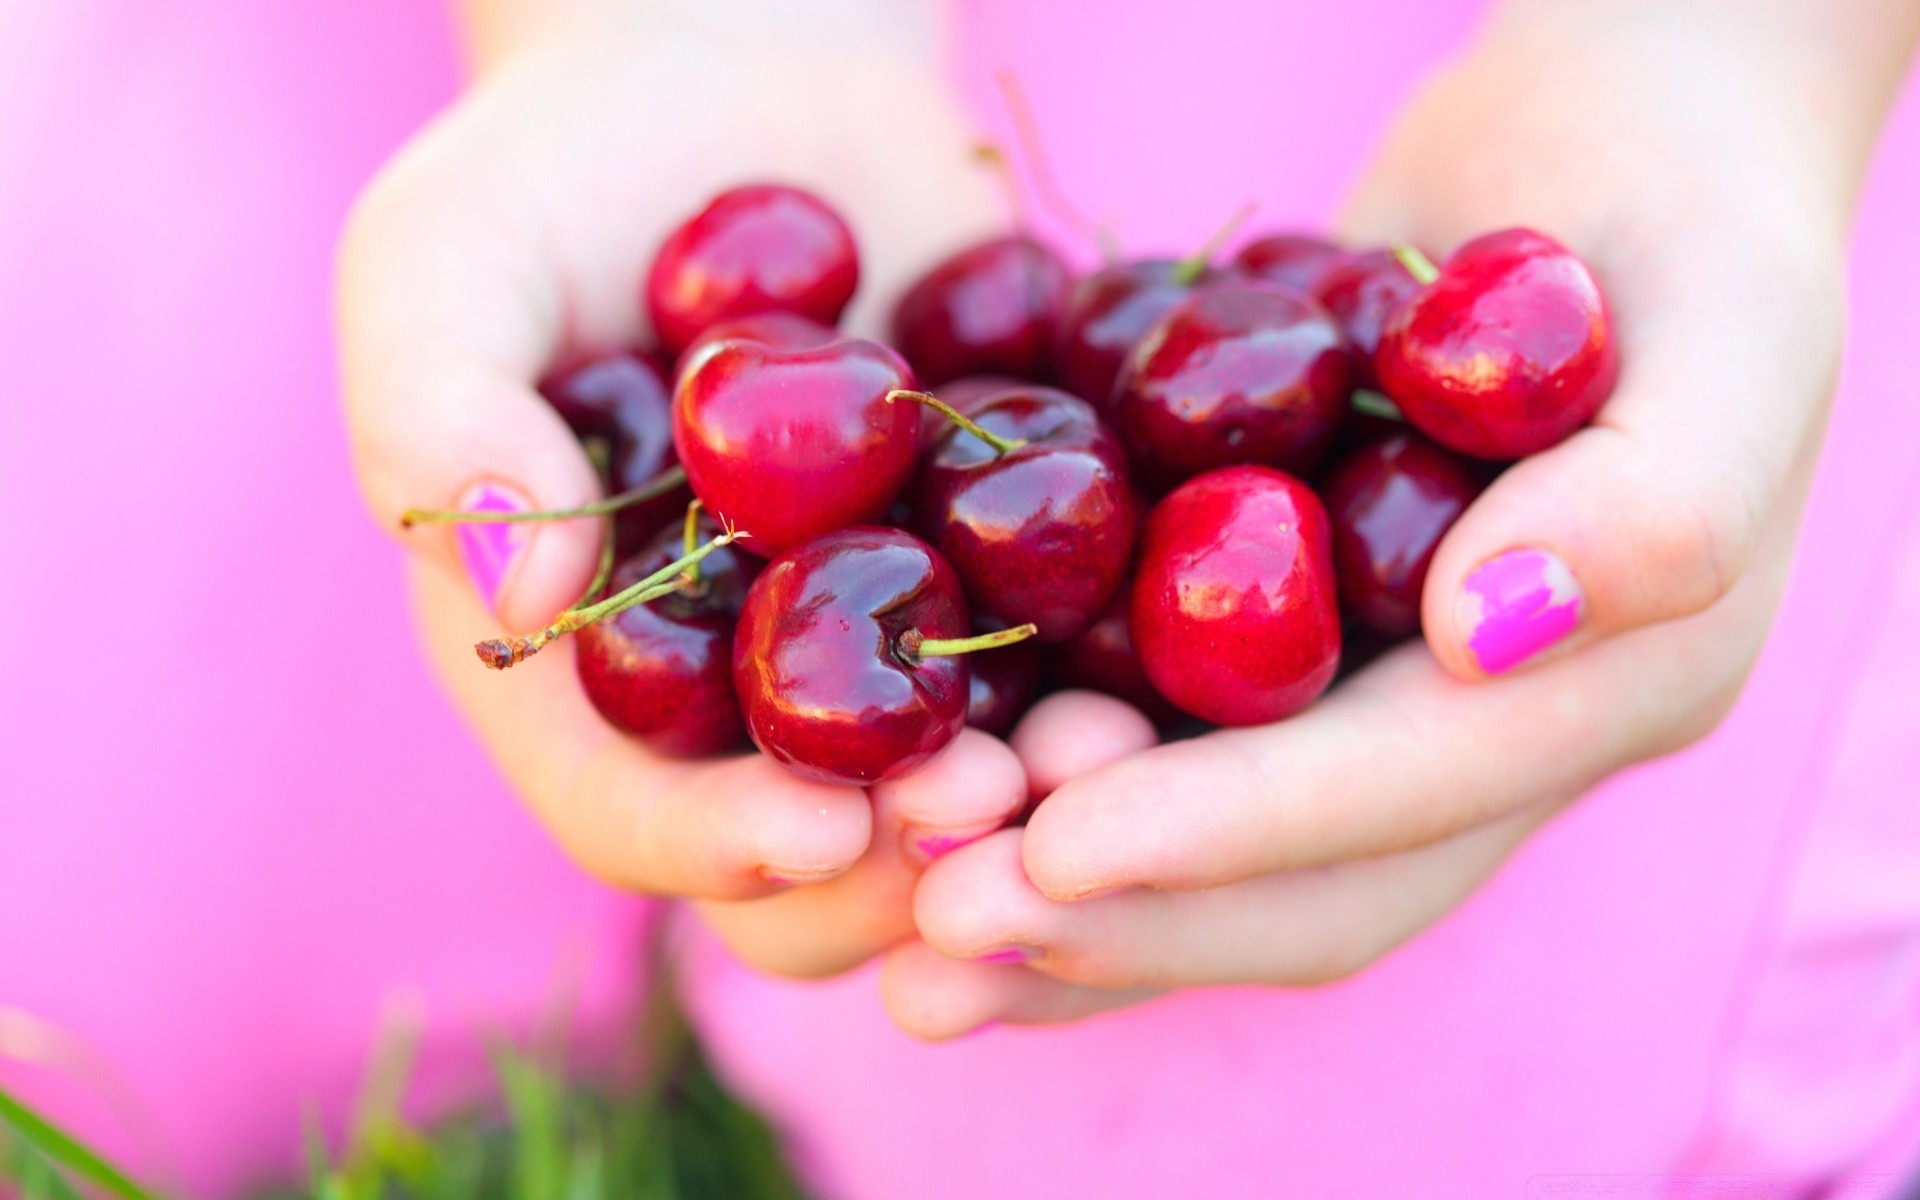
[{"x": 1700, "y": 538}]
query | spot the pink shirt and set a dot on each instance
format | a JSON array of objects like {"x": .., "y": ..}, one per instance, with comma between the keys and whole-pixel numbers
[{"x": 220, "y": 850}]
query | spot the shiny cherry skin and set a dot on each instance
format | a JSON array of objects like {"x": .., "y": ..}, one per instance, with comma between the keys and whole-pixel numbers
[
  {"x": 782, "y": 331},
  {"x": 823, "y": 658},
  {"x": 663, "y": 670},
  {"x": 1507, "y": 353},
  {"x": 990, "y": 309},
  {"x": 1237, "y": 373},
  {"x": 1001, "y": 685},
  {"x": 1296, "y": 260},
  {"x": 1102, "y": 659},
  {"x": 1107, "y": 312},
  {"x": 1389, "y": 503},
  {"x": 1043, "y": 533},
  {"x": 620, "y": 399},
  {"x": 760, "y": 248},
  {"x": 1235, "y": 614},
  {"x": 791, "y": 444},
  {"x": 964, "y": 395},
  {"x": 1361, "y": 293}
]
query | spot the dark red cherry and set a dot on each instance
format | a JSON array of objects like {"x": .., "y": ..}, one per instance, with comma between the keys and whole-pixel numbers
[
  {"x": 963, "y": 395},
  {"x": 990, "y": 309},
  {"x": 761, "y": 248},
  {"x": 663, "y": 670},
  {"x": 1001, "y": 685},
  {"x": 1505, "y": 351},
  {"x": 1389, "y": 503},
  {"x": 1102, "y": 659},
  {"x": 1235, "y": 614},
  {"x": 782, "y": 331},
  {"x": 620, "y": 399},
  {"x": 1361, "y": 293},
  {"x": 1032, "y": 504},
  {"x": 1296, "y": 260},
  {"x": 1108, "y": 311},
  {"x": 1237, "y": 373},
  {"x": 843, "y": 658},
  {"x": 790, "y": 444}
]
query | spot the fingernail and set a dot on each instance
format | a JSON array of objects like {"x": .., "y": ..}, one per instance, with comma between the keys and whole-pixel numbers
[
  {"x": 1515, "y": 605},
  {"x": 798, "y": 878},
  {"x": 923, "y": 845},
  {"x": 1009, "y": 954},
  {"x": 488, "y": 550}
]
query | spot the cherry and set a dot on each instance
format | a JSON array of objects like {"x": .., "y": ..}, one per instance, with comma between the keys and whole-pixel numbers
[
  {"x": 782, "y": 331},
  {"x": 1001, "y": 685},
  {"x": 663, "y": 671},
  {"x": 1503, "y": 352},
  {"x": 1234, "y": 612},
  {"x": 1030, "y": 501},
  {"x": 1111, "y": 309},
  {"x": 845, "y": 656},
  {"x": 1295, "y": 260},
  {"x": 1237, "y": 373},
  {"x": 760, "y": 248},
  {"x": 963, "y": 396},
  {"x": 619, "y": 399},
  {"x": 792, "y": 443},
  {"x": 1361, "y": 293},
  {"x": 1389, "y": 504},
  {"x": 1102, "y": 659},
  {"x": 989, "y": 309}
]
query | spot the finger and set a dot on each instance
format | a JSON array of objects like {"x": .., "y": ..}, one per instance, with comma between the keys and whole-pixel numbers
[
  {"x": 1071, "y": 733},
  {"x": 935, "y": 998},
  {"x": 1400, "y": 755},
  {"x": 728, "y": 828},
  {"x": 972, "y": 788},
  {"x": 1292, "y": 928},
  {"x": 447, "y": 314}
]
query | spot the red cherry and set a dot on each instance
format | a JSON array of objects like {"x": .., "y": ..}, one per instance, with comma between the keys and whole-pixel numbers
[
  {"x": 1102, "y": 659},
  {"x": 1237, "y": 373},
  {"x": 620, "y": 399},
  {"x": 1031, "y": 503},
  {"x": 790, "y": 444},
  {"x": 1389, "y": 504},
  {"x": 844, "y": 658},
  {"x": 1503, "y": 352},
  {"x": 963, "y": 396},
  {"x": 1361, "y": 293},
  {"x": 762, "y": 248},
  {"x": 663, "y": 670},
  {"x": 782, "y": 331},
  {"x": 1001, "y": 685},
  {"x": 990, "y": 309},
  {"x": 1296, "y": 260},
  {"x": 1234, "y": 610},
  {"x": 1111, "y": 309}
]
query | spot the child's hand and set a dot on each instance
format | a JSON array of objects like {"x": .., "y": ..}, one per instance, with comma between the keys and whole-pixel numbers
[
  {"x": 1706, "y": 168},
  {"x": 517, "y": 231}
]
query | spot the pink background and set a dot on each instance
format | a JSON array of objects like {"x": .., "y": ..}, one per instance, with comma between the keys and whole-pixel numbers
[{"x": 235, "y": 817}]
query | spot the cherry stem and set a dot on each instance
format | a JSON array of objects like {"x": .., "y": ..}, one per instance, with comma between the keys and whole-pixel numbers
[
  {"x": 992, "y": 158},
  {"x": 1373, "y": 404},
  {"x": 690, "y": 538},
  {"x": 1188, "y": 269},
  {"x": 603, "y": 572},
  {"x": 1001, "y": 446},
  {"x": 666, "y": 481},
  {"x": 501, "y": 653},
  {"x": 1417, "y": 263},
  {"x": 1027, "y": 131},
  {"x": 916, "y": 647}
]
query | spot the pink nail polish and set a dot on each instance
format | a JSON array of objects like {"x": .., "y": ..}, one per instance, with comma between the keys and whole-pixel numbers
[
  {"x": 925, "y": 847},
  {"x": 1009, "y": 954},
  {"x": 1515, "y": 605},
  {"x": 488, "y": 550}
]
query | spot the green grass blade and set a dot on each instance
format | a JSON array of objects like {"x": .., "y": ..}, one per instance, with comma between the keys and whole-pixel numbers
[{"x": 68, "y": 1151}]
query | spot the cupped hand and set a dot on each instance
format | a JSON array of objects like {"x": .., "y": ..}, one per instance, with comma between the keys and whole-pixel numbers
[
  {"x": 1687, "y": 166},
  {"x": 513, "y": 235}
]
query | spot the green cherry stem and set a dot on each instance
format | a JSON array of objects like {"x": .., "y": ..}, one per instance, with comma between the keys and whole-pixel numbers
[
  {"x": 690, "y": 538},
  {"x": 666, "y": 481},
  {"x": 915, "y": 647},
  {"x": 1373, "y": 404},
  {"x": 1417, "y": 263},
  {"x": 501, "y": 653},
  {"x": 1001, "y": 446},
  {"x": 1189, "y": 268}
]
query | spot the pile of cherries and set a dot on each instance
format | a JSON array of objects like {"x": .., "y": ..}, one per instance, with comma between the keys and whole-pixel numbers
[{"x": 1171, "y": 481}]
